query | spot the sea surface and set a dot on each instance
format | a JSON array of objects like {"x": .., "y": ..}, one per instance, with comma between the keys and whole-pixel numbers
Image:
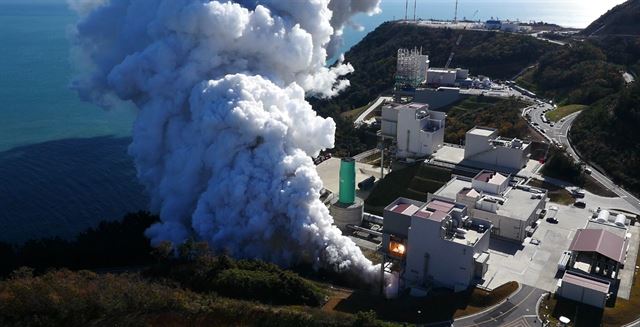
[{"x": 63, "y": 162}]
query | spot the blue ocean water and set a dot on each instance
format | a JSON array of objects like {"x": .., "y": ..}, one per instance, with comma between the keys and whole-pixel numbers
[
  {"x": 63, "y": 163},
  {"x": 59, "y": 173}
]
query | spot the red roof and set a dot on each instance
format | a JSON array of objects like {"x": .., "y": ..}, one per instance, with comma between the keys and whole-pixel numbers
[{"x": 601, "y": 241}]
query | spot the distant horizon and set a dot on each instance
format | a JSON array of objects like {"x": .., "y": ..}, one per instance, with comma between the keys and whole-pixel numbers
[{"x": 579, "y": 15}]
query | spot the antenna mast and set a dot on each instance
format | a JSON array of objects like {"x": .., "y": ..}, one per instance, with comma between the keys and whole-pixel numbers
[
  {"x": 455, "y": 15},
  {"x": 406, "y": 9}
]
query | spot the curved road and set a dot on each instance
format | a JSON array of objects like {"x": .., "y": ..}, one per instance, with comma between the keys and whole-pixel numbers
[
  {"x": 518, "y": 310},
  {"x": 560, "y": 133}
]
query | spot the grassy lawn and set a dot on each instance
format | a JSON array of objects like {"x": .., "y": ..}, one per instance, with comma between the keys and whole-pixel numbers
[
  {"x": 351, "y": 115},
  {"x": 564, "y": 111},
  {"x": 624, "y": 311},
  {"x": 413, "y": 182},
  {"x": 441, "y": 305},
  {"x": 556, "y": 193}
]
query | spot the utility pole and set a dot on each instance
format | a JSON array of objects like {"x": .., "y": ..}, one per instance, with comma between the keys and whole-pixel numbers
[
  {"x": 455, "y": 14},
  {"x": 414, "y": 9},
  {"x": 406, "y": 9}
]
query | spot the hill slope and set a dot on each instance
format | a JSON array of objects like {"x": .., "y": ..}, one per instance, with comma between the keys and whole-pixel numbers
[
  {"x": 494, "y": 54},
  {"x": 623, "y": 19}
]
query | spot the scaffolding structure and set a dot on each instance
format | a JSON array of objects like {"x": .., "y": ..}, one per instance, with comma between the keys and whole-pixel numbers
[{"x": 412, "y": 68}]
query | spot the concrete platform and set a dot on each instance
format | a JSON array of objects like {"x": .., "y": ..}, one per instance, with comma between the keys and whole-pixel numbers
[
  {"x": 329, "y": 171},
  {"x": 536, "y": 265},
  {"x": 454, "y": 155},
  {"x": 449, "y": 154}
]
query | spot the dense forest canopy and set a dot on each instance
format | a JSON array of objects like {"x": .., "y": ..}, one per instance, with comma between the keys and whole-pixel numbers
[
  {"x": 620, "y": 20},
  {"x": 607, "y": 134},
  {"x": 575, "y": 74}
]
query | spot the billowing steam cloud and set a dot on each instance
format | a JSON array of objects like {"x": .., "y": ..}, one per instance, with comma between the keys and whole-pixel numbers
[{"x": 224, "y": 135}]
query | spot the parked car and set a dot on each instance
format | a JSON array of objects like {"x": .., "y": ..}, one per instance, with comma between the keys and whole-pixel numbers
[
  {"x": 580, "y": 204},
  {"x": 588, "y": 171},
  {"x": 578, "y": 193}
]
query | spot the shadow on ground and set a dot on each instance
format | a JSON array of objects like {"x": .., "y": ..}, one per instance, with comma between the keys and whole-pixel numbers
[
  {"x": 441, "y": 305},
  {"x": 62, "y": 187},
  {"x": 504, "y": 246}
]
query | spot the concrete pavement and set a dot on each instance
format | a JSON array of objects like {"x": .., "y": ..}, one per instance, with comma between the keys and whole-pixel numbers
[{"x": 560, "y": 133}]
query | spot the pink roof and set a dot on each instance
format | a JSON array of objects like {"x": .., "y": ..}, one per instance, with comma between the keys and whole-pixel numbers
[
  {"x": 469, "y": 192},
  {"x": 589, "y": 283},
  {"x": 497, "y": 179},
  {"x": 405, "y": 209},
  {"x": 484, "y": 176},
  {"x": 438, "y": 216},
  {"x": 601, "y": 241},
  {"x": 490, "y": 177},
  {"x": 438, "y": 205},
  {"x": 423, "y": 214}
]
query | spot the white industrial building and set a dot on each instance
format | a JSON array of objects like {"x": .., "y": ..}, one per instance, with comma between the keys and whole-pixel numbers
[
  {"x": 446, "y": 76},
  {"x": 416, "y": 130},
  {"x": 512, "y": 209},
  {"x": 484, "y": 148},
  {"x": 411, "y": 69},
  {"x": 436, "y": 244}
]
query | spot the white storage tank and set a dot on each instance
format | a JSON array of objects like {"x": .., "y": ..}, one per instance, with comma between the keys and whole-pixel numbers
[
  {"x": 603, "y": 216},
  {"x": 621, "y": 220}
]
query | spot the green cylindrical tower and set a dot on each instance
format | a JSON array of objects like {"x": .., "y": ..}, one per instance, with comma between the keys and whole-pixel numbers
[{"x": 347, "y": 181}]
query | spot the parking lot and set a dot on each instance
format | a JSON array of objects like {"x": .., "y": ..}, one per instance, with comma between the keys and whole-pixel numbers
[{"x": 536, "y": 265}]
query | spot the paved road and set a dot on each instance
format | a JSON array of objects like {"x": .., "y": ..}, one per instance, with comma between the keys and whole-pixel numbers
[
  {"x": 518, "y": 310},
  {"x": 560, "y": 133},
  {"x": 371, "y": 108}
]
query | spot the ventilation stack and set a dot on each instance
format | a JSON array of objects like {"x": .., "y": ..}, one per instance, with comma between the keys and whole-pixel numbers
[
  {"x": 347, "y": 181},
  {"x": 347, "y": 209}
]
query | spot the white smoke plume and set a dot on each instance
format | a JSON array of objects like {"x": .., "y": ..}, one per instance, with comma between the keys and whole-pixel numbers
[{"x": 224, "y": 137}]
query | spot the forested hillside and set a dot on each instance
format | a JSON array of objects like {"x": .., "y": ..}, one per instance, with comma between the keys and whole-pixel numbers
[
  {"x": 575, "y": 74},
  {"x": 607, "y": 134},
  {"x": 494, "y": 54},
  {"x": 589, "y": 72},
  {"x": 623, "y": 19}
]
